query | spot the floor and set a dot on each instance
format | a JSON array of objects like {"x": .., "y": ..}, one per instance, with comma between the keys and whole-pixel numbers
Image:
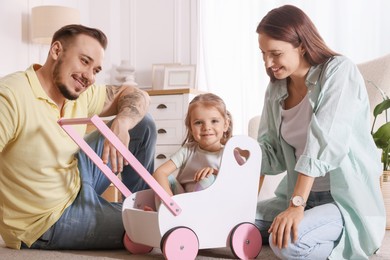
[{"x": 223, "y": 253}]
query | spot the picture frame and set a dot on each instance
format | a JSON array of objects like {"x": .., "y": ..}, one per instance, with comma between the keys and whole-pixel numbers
[
  {"x": 173, "y": 76},
  {"x": 182, "y": 76},
  {"x": 158, "y": 74}
]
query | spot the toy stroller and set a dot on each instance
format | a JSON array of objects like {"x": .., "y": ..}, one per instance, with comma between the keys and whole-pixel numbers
[{"x": 220, "y": 216}]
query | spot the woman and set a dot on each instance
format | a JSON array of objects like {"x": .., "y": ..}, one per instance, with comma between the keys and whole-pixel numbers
[{"x": 316, "y": 126}]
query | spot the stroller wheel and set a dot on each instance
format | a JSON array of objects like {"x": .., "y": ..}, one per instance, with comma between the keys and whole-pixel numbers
[
  {"x": 180, "y": 243},
  {"x": 246, "y": 241},
  {"x": 135, "y": 248}
]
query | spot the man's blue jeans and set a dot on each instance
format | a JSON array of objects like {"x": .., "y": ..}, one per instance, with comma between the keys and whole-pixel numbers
[{"x": 91, "y": 222}]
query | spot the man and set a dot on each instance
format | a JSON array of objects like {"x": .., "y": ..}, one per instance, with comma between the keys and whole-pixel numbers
[{"x": 50, "y": 192}]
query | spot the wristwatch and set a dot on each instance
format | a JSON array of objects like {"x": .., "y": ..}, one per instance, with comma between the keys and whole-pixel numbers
[{"x": 298, "y": 201}]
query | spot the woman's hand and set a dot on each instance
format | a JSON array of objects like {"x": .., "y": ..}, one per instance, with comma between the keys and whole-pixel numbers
[
  {"x": 284, "y": 224},
  {"x": 203, "y": 173}
]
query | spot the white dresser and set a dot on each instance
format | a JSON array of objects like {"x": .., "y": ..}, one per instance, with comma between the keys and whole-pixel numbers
[{"x": 169, "y": 109}]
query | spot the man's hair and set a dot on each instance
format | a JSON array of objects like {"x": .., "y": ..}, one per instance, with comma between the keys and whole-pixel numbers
[
  {"x": 290, "y": 24},
  {"x": 69, "y": 32}
]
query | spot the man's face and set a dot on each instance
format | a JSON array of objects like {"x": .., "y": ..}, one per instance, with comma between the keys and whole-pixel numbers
[{"x": 77, "y": 66}]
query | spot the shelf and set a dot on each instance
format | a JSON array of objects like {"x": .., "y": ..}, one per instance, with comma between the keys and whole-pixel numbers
[{"x": 157, "y": 92}]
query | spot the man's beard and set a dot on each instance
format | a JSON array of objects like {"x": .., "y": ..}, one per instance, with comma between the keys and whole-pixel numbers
[
  {"x": 66, "y": 93},
  {"x": 62, "y": 87}
]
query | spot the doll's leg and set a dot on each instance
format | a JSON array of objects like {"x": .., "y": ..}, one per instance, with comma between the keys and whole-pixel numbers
[
  {"x": 176, "y": 187},
  {"x": 204, "y": 183}
]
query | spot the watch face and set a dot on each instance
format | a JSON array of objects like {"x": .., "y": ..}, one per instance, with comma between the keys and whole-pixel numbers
[{"x": 297, "y": 201}]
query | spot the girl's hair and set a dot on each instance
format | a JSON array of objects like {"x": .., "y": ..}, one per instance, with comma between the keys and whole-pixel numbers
[
  {"x": 208, "y": 100},
  {"x": 290, "y": 24},
  {"x": 67, "y": 33}
]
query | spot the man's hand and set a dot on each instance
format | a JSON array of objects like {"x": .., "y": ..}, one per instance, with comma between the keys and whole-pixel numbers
[
  {"x": 109, "y": 151},
  {"x": 285, "y": 223},
  {"x": 130, "y": 105}
]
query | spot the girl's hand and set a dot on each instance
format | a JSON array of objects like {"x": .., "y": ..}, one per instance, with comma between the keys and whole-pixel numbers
[
  {"x": 284, "y": 224},
  {"x": 203, "y": 173}
]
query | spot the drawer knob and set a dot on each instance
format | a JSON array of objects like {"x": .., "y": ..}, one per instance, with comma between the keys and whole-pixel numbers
[
  {"x": 161, "y": 131},
  {"x": 161, "y": 106},
  {"x": 161, "y": 156}
]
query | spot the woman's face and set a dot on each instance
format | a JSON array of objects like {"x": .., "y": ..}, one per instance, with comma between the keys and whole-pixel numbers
[{"x": 282, "y": 58}]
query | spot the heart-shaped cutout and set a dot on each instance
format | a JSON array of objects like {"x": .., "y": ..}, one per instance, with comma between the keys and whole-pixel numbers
[{"x": 241, "y": 156}]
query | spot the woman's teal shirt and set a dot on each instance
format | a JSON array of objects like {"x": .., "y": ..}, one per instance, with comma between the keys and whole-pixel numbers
[{"x": 339, "y": 143}]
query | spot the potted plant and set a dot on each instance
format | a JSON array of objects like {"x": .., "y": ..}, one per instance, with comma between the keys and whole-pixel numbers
[
  {"x": 382, "y": 134},
  {"x": 382, "y": 141}
]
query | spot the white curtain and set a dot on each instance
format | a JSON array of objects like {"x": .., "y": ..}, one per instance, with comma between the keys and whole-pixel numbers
[{"x": 229, "y": 60}]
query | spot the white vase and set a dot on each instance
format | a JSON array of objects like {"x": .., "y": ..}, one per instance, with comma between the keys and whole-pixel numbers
[
  {"x": 385, "y": 187},
  {"x": 126, "y": 73}
]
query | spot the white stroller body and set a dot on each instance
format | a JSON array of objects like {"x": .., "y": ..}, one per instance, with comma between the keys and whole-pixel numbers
[{"x": 222, "y": 215}]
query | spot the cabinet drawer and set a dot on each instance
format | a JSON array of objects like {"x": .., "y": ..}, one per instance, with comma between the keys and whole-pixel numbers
[
  {"x": 167, "y": 107},
  {"x": 164, "y": 153},
  {"x": 170, "y": 131}
]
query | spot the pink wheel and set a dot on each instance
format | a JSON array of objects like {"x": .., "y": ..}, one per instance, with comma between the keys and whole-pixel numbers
[
  {"x": 135, "y": 248},
  {"x": 246, "y": 241},
  {"x": 180, "y": 243}
]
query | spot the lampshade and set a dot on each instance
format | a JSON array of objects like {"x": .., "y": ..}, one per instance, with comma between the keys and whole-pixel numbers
[{"x": 46, "y": 20}]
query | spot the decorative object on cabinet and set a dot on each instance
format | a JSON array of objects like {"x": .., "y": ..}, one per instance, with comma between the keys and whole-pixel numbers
[
  {"x": 125, "y": 73},
  {"x": 179, "y": 77},
  {"x": 173, "y": 76},
  {"x": 158, "y": 71}
]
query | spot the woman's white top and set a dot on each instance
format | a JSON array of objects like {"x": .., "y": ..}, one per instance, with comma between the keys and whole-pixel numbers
[{"x": 295, "y": 123}]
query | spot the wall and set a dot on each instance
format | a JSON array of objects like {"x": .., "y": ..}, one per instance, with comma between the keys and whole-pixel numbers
[{"x": 142, "y": 31}]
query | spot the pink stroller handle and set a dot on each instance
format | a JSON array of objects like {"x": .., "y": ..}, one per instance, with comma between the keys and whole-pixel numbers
[{"x": 120, "y": 147}]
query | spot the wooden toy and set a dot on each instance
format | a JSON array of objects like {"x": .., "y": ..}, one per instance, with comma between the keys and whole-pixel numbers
[{"x": 222, "y": 215}]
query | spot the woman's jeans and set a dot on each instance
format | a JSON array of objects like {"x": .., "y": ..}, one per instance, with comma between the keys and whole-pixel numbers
[
  {"x": 318, "y": 232},
  {"x": 91, "y": 222}
]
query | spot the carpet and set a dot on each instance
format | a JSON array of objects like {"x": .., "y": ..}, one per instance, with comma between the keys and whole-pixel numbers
[
  {"x": 221, "y": 253},
  {"x": 32, "y": 254}
]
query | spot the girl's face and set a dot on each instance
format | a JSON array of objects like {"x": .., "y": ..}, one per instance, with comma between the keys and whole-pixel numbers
[
  {"x": 281, "y": 58},
  {"x": 207, "y": 127}
]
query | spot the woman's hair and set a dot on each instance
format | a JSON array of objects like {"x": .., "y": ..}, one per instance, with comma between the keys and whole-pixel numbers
[
  {"x": 208, "y": 100},
  {"x": 290, "y": 24},
  {"x": 67, "y": 33}
]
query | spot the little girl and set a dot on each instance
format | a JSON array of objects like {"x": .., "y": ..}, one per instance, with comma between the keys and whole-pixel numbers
[{"x": 209, "y": 126}]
